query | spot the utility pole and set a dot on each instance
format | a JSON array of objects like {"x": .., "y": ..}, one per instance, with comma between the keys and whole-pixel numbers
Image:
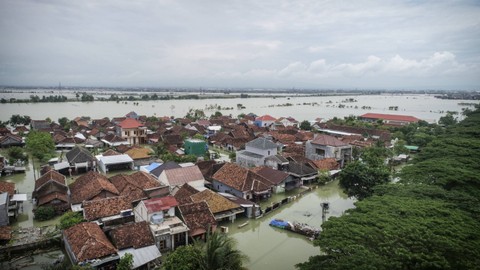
[{"x": 325, "y": 206}]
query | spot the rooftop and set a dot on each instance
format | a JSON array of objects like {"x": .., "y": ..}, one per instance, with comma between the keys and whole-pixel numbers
[
  {"x": 328, "y": 141},
  {"x": 160, "y": 204},
  {"x": 107, "y": 207},
  {"x": 133, "y": 235},
  {"x": 392, "y": 117}
]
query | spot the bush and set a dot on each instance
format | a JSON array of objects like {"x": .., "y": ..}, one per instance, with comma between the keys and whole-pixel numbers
[
  {"x": 69, "y": 219},
  {"x": 44, "y": 213},
  {"x": 16, "y": 153}
]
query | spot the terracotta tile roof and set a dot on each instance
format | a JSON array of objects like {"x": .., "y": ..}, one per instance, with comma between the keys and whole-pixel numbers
[
  {"x": 49, "y": 176},
  {"x": 7, "y": 187},
  {"x": 183, "y": 194},
  {"x": 240, "y": 178},
  {"x": 130, "y": 123},
  {"x": 5, "y": 233},
  {"x": 133, "y": 235},
  {"x": 107, "y": 207},
  {"x": 327, "y": 164},
  {"x": 127, "y": 187},
  {"x": 328, "y": 141},
  {"x": 160, "y": 204},
  {"x": 180, "y": 176},
  {"x": 262, "y": 143},
  {"x": 122, "y": 148},
  {"x": 145, "y": 180},
  {"x": 216, "y": 202},
  {"x": 265, "y": 118},
  {"x": 52, "y": 196},
  {"x": 274, "y": 176},
  {"x": 112, "y": 138},
  {"x": 139, "y": 153},
  {"x": 89, "y": 185},
  {"x": 391, "y": 117},
  {"x": 197, "y": 217},
  {"x": 87, "y": 241}
]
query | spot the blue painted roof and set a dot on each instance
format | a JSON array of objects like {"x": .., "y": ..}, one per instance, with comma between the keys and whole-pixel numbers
[{"x": 152, "y": 166}]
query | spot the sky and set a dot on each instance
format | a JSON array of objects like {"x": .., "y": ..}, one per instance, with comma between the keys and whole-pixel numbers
[{"x": 384, "y": 44}]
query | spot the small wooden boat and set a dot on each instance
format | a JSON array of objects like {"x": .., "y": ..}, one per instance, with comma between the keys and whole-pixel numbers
[{"x": 243, "y": 224}]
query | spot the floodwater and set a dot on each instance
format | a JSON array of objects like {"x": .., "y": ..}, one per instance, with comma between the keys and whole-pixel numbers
[
  {"x": 272, "y": 248},
  {"x": 425, "y": 107}
]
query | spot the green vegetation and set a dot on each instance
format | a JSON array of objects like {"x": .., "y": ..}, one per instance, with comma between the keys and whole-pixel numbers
[
  {"x": 17, "y": 119},
  {"x": 16, "y": 153},
  {"x": 44, "y": 213},
  {"x": 41, "y": 145},
  {"x": 69, "y": 219},
  {"x": 218, "y": 252},
  {"x": 428, "y": 220},
  {"x": 305, "y": 125},
  {"x": 126, "y": 262}
]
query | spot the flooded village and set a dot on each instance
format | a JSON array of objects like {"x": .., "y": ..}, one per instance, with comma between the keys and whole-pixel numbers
[{"x": 146, "y": 185}]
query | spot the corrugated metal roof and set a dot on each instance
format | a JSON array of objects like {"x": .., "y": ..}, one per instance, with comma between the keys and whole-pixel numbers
[
  {"x": 184, "y": 175},
  {"x": 117, "y": 159},
  {"x": 141, "y": 256}
]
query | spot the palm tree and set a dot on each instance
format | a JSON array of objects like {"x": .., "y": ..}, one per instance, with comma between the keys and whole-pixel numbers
[{"x": 219, "y": 252}]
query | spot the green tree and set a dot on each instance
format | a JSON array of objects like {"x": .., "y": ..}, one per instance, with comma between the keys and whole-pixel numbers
[
  {"x": 305, "y": 125},
  {"x": 126, "y": 262},
  {"x": 44, "y": 213},
  {"x": 199, "y": 137},
  {"x": 396, "y": 232},
  {"x": 16, "y": 153},
  {"x": 40, "y": 144},
  {"x": 219, "y": 252},
  {"x": 447, "y": 120},
  {"x": 358, "y": 178},
  {"x": 69, "y": 219},
  {"x": 64, "y": 123},
  {"x": 183, "y": 258}
]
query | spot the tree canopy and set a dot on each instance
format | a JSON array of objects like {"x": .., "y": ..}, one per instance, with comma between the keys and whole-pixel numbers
[
  {"x": 428, "y": 220},
  {"x": 40, "y": 144}
]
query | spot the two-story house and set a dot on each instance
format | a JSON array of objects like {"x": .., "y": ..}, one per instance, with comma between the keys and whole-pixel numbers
[
  {"x": 325, "y": 146},
  {"x": 168, "y": 230},
  {"x": 265, "y": 121},
  {"x": 255, "y": 152},
  {"x": 133, "y": 131}
]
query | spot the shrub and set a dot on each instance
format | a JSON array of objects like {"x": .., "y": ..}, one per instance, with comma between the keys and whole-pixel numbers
[{"x": 44, "y": 213}]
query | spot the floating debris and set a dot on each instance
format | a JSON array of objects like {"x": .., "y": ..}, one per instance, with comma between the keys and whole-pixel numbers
[{"x": 296, "y": 227}]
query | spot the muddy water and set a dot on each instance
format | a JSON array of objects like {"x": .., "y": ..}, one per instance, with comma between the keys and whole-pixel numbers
[{"x": 273, "y": 248}]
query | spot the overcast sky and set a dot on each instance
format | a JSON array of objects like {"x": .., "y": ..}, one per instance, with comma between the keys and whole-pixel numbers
[{"x": 259, "y": 43}]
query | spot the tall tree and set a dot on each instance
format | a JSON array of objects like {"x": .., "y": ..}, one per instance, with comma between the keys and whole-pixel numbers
[{"x": 40, "y": 144}]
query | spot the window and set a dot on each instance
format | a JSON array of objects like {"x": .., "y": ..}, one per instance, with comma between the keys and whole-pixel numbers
[
  {"x": 162, "y": 244},
  {"x": 320, "y": 152}
]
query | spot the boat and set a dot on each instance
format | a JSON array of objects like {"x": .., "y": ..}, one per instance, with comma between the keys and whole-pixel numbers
[{"x": 300, "y": 228}]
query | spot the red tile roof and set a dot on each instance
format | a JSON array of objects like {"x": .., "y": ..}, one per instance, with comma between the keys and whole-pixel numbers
[
  {"x": 328, "y": 141},
  {"x": 7, "y": 187},
  {"x": 53, "y": 196},
  {"x": 130, "y": 123},
  {"x": 241, "y": 179},
  {"x": 265, "y": 118},
  {"x": 183, "y": 194},
  {"x": 274, "y": 176},
  {"x": 133, "y": 235},
  {"x": 160, "y": 204},
  {"x": 87, "y": 241},
  {"x": 89, "y": 186},
  {"x": 392, "y": 117},
  {"x": 198, "y": 217},
  {"x": 107, "y": 207},
  {"x": 50, "y": 175}
]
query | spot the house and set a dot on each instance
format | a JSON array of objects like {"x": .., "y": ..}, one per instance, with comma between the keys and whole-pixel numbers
[
  {"x": 138, "y": 186},
  {"x": 90, "y": 186},
  {"x": 51, "y": 190},
  {"x": 9, "y": 140},
  {"x": 255, "y": 152},
  {"x": 179, "y": 176},
  {"x": 389, "y": 119},
  {"x": 141, "y": 156},
  {"x": 80, "y": 159},
  {"x": 112, "y": 140},
  {"x": 198, "y": 218},
  {"x": 277, "y": 162},
  {"x": 221, "y": 208},
  {"x": 165, "y": 166},
  {"x": 109, "y": 211},
  {"x": 87, "y": 243},
  {"x": 136, "y": 239},
  {"x": 280, "y": 180},
  {"x": 264, "y": 121},
  {"x": 169, "y": 231},
  {"x": 251, "y": 209},
  {"x": 4, "y": 203},
  {"x": 325, "y": 146},
  {"x": 132, "y": 131},
  {"x": 41, "y": 125},
  {"x": 107, "y": 163},
  {"x": 241, "y": 182},
  {"x": 301, "y": 170}
]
